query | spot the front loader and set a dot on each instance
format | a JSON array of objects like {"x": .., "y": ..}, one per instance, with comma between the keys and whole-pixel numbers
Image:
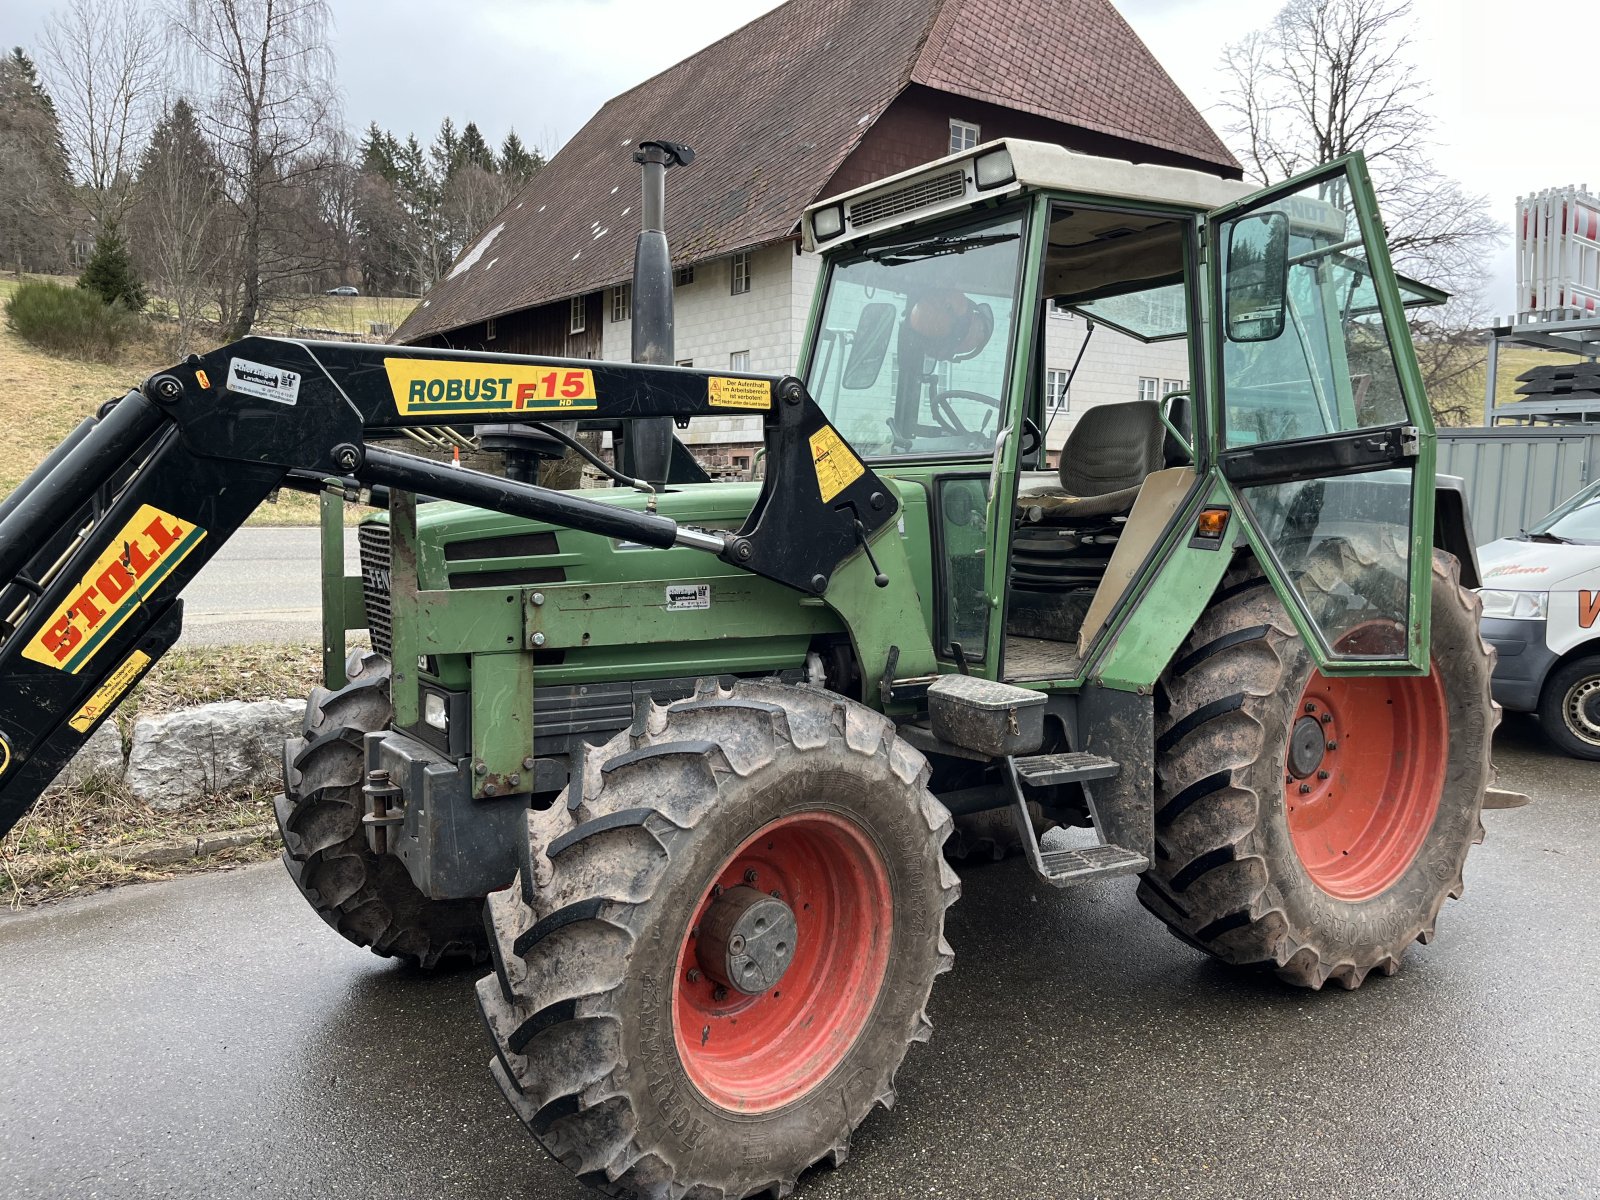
[{"x": 684, "y": 760}]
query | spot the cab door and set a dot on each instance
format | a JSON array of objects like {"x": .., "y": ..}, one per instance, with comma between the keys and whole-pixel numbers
[{"x": 1322, "y": 430}]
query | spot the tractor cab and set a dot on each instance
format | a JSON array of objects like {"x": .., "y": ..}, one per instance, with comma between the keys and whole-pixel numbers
[{"x": 935, "y": 349}]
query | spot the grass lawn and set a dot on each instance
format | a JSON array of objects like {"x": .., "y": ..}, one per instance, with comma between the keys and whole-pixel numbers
[{"x": 78, "y": 840}]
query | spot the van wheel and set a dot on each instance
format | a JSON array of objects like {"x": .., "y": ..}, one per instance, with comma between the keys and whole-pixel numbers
[{"x": 1569, "y": 707}]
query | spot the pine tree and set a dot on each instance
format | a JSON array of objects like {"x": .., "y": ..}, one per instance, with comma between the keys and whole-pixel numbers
[
  {"x": 110, "y": 273},
  {"x": 473, "y": 151},
  {"x": 517, "y": 162},
  {"x": 446, "y": 150},
  {"x": 35, "y": 181}
]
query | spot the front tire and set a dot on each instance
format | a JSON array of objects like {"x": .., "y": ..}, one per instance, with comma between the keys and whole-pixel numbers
[
  {"x": 628, "y": 1057},
  {"x": 368, "y": 898},
  {"x": 1569, "y": 707},
  {"x": 1315, "y": 825}
]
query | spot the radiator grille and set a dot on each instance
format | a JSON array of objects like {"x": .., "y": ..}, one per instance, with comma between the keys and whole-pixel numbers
[
  {"x": 375, "y": 585},
  {"x": 950, "y": 186}
]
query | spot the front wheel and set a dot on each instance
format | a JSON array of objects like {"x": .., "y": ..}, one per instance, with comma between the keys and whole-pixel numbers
[
  {"x": 1569, "y": 707},
  {"x": 1315, "y": 824},
  {"x": 720, "y": 944}
]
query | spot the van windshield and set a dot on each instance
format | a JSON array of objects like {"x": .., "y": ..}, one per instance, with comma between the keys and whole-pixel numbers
[
  {"x": 914, "y": 343},
  {"x": 1578, "y": 520}
]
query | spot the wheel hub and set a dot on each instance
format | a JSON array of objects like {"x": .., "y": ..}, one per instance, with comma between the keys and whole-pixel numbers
[
  {"x": 1307, "y": 744},
  {"x": 747, "y": 940},
  {"x": 1583, "y": 709}
]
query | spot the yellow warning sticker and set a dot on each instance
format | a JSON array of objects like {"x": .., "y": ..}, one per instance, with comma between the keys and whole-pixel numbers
[
  {"x": 837, "y": 468},
  {"x": 5, "y": 755},
  {"x": 451, "y": 389},
  {"x": 739, "y": 393},
  {"x": 109, "y": 692},
  {"x": 132, "y": 566}
]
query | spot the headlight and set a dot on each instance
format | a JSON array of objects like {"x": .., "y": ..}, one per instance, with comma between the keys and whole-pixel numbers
[
  {"x": 827, "y": 223},
  {"x": 434, "y": 712},
  {"x": 1515, "y": 606}
]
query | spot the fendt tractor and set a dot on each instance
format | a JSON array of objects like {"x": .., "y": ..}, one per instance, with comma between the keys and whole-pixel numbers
[{"x": 680, "y": 758}]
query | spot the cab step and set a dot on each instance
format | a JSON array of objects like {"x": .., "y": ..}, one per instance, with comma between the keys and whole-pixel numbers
[
  {"x": 1070, "y": 865},
  {"x": 1048, "y": 770}
]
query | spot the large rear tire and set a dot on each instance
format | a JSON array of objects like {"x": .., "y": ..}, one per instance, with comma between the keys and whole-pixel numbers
[
  {"x": 1307, "y": 824},
  {"x": 367, "y": 898},
  {"x": 619, "y": 1044}
]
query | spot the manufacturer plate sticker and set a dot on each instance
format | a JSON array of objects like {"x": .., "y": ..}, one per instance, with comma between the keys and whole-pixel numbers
[
  {"x": 836, "y": 467},
  {"x": 755, "y": 394},
  {"x": 421, "y": 387},
  {"x": 682, "y": 597},
  {"x": 109, "y": 692},
  {"x": 131, "y": 567},
  {"x": 263, "y": 382}
]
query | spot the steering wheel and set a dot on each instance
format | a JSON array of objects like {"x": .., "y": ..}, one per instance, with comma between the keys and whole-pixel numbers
[{"x": 945, "y": 416}]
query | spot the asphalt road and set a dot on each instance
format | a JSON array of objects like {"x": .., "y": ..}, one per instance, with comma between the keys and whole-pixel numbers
[
  {"x": 211, "y": 1038},
  {"x": 265, "y": 585}
]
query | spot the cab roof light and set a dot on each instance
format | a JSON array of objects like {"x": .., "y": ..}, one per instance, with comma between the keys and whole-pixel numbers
[
  {"x": 994, "y": 169},
  {"x": 827, "y": 223}
]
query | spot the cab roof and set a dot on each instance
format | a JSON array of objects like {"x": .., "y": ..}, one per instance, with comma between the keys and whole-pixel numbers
[{"x": 974, "y": 176}]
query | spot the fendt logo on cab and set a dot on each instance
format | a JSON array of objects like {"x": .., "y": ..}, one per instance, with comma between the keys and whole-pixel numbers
[
  {"x": 450, "y": 389},
  {"x": 137, "y": 560}
]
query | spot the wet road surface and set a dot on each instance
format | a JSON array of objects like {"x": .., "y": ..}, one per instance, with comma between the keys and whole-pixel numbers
[{"x": 211, "y": 1038}]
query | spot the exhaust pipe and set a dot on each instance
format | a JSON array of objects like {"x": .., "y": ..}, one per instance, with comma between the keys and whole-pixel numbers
[{"x": 646, "y": 449}]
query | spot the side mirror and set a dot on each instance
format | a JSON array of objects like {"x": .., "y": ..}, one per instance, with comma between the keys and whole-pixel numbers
[
  {"x": 1257, "y": 277},
  {"x": 869, "y": 347}
]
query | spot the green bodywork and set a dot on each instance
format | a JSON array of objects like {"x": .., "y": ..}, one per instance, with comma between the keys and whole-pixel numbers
[{"x": 593, "y": 609}]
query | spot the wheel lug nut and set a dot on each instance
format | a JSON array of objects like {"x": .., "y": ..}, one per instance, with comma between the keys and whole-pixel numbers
[
  {"x": 694, "y": 975},
  {"x": 774, "y": 894},
  {"x": 720, "y": 994},
  {"x": 1327, "y": 718},
  {"x": 750, "y": 875},
  {"x": 1310, "y": 708},
  {"x": 1304, "y": 788},
  {"x": 1333, "y": 745},
  {"x": 716, "y": 890},
  {"x": 1322, "y": 774}
]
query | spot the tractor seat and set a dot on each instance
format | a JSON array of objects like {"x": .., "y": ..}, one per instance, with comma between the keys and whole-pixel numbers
[{"x": 1107, "y": 456}]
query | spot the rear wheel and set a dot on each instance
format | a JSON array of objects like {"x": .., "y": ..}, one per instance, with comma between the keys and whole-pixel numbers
[
  {"x": 1569, "y": 707},
  {"x": 368, "y": 898},
  {"x": 1311, "y": 824},
  {"x": 720, "y": 944}
]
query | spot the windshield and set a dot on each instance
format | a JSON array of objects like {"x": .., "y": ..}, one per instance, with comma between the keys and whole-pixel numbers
[
  {"x": 1578, "y": 520},
  {"x": 912, "y": 350}
]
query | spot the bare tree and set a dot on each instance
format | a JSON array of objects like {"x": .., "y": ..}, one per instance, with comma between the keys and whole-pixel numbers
[
  {"x": 106, "y": 64},
  {"x": 269, "y": 109},
  {"x": 1328, "y": 77},
  {"x": 178, "y": 222}
]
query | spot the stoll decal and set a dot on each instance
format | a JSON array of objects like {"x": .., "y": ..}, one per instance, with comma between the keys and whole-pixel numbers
[{"x": 131, "y": 567}]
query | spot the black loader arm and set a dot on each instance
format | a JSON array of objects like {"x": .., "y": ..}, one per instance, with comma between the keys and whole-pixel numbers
[{"x": 98, "y": 543}]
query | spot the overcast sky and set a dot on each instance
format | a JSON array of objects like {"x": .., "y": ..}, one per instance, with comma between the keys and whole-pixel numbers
[{"x": 1515, "y": 109}]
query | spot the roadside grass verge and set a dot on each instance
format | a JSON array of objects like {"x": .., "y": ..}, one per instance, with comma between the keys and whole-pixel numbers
[{"x": 83, "y": 839}]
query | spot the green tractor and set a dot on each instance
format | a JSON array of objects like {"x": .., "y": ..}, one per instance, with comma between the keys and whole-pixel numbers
[{"x": 699, "y": 817}]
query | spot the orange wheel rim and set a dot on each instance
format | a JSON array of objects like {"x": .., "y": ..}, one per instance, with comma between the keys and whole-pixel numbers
[
  {"x": 756, "y": 1051},
  {"x": 1363, "y": 776}
]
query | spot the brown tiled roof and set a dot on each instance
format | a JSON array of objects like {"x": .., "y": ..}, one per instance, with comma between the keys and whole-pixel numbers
[{"x": 774, "y": 108}]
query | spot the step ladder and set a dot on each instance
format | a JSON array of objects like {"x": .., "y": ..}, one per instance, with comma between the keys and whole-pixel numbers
[{"x": 1077, "y": 864}]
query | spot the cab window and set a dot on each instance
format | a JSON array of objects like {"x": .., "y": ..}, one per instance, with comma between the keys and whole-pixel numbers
[{"x": 913, "y": 349}]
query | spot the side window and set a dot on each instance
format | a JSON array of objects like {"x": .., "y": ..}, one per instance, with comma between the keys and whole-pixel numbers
[
  {"x": 1329, "y": 368},
  {"x": 962, "y": 505}
]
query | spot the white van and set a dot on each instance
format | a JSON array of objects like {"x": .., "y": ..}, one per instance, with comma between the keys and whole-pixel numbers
[{"x": 1541, "y": 611}]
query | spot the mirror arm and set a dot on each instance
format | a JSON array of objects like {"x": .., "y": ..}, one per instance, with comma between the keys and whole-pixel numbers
[{"x": 1317, "y": 252}]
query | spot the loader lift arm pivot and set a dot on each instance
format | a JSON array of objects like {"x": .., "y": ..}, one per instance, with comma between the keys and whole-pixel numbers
[{"x": 97, "y": 544}]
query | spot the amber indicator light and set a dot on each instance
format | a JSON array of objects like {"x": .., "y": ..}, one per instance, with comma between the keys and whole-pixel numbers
[{"x": 1213, "y": 523}]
